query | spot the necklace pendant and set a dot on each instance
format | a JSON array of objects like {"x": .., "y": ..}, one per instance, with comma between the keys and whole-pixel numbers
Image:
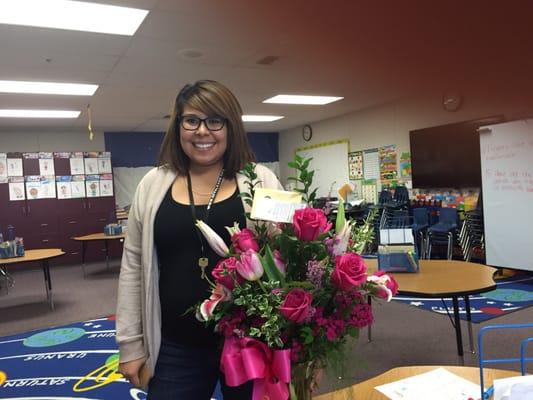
[{"x": 202, "y": 263}]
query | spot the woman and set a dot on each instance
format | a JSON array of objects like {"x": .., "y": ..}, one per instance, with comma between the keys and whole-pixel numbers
[{"x": 165, "y": 257}]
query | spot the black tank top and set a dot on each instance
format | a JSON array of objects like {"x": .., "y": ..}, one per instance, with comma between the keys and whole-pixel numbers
[{"x": 178, "y": 250}]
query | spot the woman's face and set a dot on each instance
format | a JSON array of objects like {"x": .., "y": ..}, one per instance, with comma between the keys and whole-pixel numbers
[{"x": 203, "y": 147}]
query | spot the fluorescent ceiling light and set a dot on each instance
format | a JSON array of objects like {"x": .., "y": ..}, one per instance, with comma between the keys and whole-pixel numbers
[
  {"x": 72, "y": 15},
  {"x": 39, "y": 114},
  {"x": 74, "y": 89},
  {"x": 300, "y": 99},
  {"x": 261, "y": 118}
]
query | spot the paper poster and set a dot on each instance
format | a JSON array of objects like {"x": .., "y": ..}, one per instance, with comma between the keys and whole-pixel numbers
[
  {"x": 92, "y": 185},
  {"x": 62, "y": 154},
  {"x": 33, "y": 187},
  {"x": 77, "y": 187},
  {"x": 371, "y": 164},
  {"x": 76, "y": 166},
  {"x": 106, "y": 187},
  {"x": 387, "y": 163},
  {"x": 355, "y": 165},
  {"x": 64, "y": 187},
  {"x": 31, "y": 156},
  {"x": 91, "y": 165},
  {"x": 16, "y": 189},
  {"x": 14, "y": 167},
  {"x": 369, "y": 191},
  {"x": 104, "y": 165},
  {"x": 405, "y": 165},
  {"x": 48, "y": 187},
  {"x": 46, "y": 166},
  {"x": 3, "y": 167}
]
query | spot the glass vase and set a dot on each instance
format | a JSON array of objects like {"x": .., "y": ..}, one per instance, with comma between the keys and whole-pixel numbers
[{"x": 301, "y": 380}]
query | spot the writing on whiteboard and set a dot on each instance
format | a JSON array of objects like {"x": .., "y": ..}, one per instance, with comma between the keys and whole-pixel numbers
[
  {"x": 490, "y": 151},
  {"x": 510, "y": 180}
]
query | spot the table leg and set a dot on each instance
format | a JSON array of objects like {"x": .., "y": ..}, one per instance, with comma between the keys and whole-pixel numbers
[
  {"x": 83, "y": 250},
  {"x": 48, "y": 283},
  {"x": 370, "y": 325},
  {"x": 458, "y": 334},
  {"x": 107, "y": 254},
  {"x": 469, "y": 319}
]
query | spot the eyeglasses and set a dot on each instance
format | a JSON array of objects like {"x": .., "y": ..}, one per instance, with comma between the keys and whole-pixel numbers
[{"x": 192, "y": 122}]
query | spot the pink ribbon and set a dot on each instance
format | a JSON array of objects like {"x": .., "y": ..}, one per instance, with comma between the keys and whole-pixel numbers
[{"x": 245, "y": 359}]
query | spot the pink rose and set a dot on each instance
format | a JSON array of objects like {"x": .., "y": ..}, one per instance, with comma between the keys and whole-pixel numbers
[
  {"x": 309, "y": 223},
  {"x": 349, "y": 272},
  {"x": 226, "y": 274},
  {"x": 296, "y": 305},
  {"x": 244, "y": 240}
]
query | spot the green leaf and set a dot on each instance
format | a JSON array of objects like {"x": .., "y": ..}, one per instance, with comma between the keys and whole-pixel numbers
[
  {"x": 292, "y": 164},
  {"x": 273, "y": 273},
  {"x": 341, "y": 218}
]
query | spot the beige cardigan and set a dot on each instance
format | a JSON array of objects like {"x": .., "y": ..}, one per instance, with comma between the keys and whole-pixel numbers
[{"x": 138, "y": 316}]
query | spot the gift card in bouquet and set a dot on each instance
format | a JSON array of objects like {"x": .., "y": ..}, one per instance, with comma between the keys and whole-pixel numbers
[{"x": 275, "y": 205}]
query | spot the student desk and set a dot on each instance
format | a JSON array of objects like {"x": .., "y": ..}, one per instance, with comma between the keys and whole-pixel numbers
[
  {"x": 43, "y": 256},
  {"x": 446, "y": 278},
  {"x": 96, "y": 237},
  {"x": 365, "y": 390}
]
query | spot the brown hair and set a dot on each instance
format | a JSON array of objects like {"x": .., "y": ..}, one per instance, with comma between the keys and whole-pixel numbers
[{"x": 211, "y": 98}]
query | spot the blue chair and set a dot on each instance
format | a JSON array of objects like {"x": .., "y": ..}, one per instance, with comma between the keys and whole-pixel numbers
[
  {"x": 443, "y": 232},
  {"x": 484, "y": 361},
  {"x": 420, "y": 226},
  {"x": 384, "y": 197}
]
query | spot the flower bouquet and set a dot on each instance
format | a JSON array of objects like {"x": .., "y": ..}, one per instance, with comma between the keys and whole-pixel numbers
[{"x": 287, "y": 299}]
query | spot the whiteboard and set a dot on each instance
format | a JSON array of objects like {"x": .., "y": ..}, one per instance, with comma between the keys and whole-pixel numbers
[
  {"x": 330, "y": 163},
  {"x": 507, "y": 183}
]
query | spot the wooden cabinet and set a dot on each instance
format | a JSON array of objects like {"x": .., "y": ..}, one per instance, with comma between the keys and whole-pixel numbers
[{"x": 48, "y": 223}]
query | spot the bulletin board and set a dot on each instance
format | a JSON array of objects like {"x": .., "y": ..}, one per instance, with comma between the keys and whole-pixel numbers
[{"x": 330, "y": 163}]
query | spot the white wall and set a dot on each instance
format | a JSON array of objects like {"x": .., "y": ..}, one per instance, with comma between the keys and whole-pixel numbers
[
  {"x": 50, "y": 141},
  {"x": 391, "y": 123}
]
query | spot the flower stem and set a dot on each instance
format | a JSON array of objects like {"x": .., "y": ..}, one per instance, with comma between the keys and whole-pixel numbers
[{"x": 262, "y": 286}]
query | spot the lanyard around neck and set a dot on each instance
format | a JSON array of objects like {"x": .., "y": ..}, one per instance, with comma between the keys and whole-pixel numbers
[{"x": 209, "y": 204}]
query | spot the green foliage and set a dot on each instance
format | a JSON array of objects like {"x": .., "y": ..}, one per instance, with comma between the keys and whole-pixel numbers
[
  {"x": 364, "y": 234},
  {"x": 303, "y": 178}
]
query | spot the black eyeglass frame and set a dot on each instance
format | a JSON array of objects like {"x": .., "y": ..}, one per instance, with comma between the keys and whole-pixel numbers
[{"x": 202, "y": 120}]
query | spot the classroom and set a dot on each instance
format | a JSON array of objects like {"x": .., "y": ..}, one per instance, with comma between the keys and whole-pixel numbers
[{"x": 417, "y": 120}]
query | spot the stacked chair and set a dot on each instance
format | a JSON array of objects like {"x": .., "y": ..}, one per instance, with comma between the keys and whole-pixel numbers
[
  {"x": 420, "y": 229},
  {"x": 471, "y": 235},
  {"x": 443, "y": 232}
]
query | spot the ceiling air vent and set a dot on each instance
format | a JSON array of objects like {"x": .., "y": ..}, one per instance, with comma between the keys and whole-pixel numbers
[{"x": 268, "y": 60}]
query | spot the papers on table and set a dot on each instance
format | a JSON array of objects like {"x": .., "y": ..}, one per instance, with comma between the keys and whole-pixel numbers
[
  {"x": 515, "y": 388},
  {"x": 439, "y": 384}
]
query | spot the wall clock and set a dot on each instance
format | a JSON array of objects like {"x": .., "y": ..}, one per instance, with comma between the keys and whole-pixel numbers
[
  {"x": 451, "y": 101},
  {"x": 307, "y": 133}
]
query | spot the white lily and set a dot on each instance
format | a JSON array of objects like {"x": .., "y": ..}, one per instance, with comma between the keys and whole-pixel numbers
[
  {"x": 342, "y": 238},
  {"x": 233, "y": 229},
  {"x": 215, "y": 242}
]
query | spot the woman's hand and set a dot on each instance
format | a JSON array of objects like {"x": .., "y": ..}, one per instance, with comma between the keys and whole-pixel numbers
[{"x": 131, "y": 370}]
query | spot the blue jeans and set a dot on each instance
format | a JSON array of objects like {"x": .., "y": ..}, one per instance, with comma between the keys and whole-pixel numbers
[{"x": 191, "y": 373}]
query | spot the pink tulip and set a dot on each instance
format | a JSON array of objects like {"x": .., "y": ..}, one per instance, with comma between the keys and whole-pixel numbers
[
  {"x": 278, "y": 260},
  {"x": 249, "y": 266}
]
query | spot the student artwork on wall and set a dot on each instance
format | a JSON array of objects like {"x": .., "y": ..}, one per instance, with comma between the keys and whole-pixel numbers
[
  {"x": 76, "y": 166},
  {"x": 46, "y": 166},
  {"x": 355, "y": 164},
  {"x": 91, "y": 166},
  {"x": 63, "y": 184},
  {"x": 14, "y": 167},
  {"x": 92, "y": 185},
  {"x": 48, "y": 187},
  {"x": 33, "y": 187},
  {"x": 104, "y": 165},
  {"x": 16, "y": 188},
  {"x": 77, "y": 186},
  {"x": 369, "y": 191},
  {"x": 106, "y": 185},
  {"x": 3, "y": 167}
]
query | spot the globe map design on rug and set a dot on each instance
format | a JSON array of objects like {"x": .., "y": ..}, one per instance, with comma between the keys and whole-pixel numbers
[
  {"x": 510, "y": 295},
  {"x": 78, "y": 361}
]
